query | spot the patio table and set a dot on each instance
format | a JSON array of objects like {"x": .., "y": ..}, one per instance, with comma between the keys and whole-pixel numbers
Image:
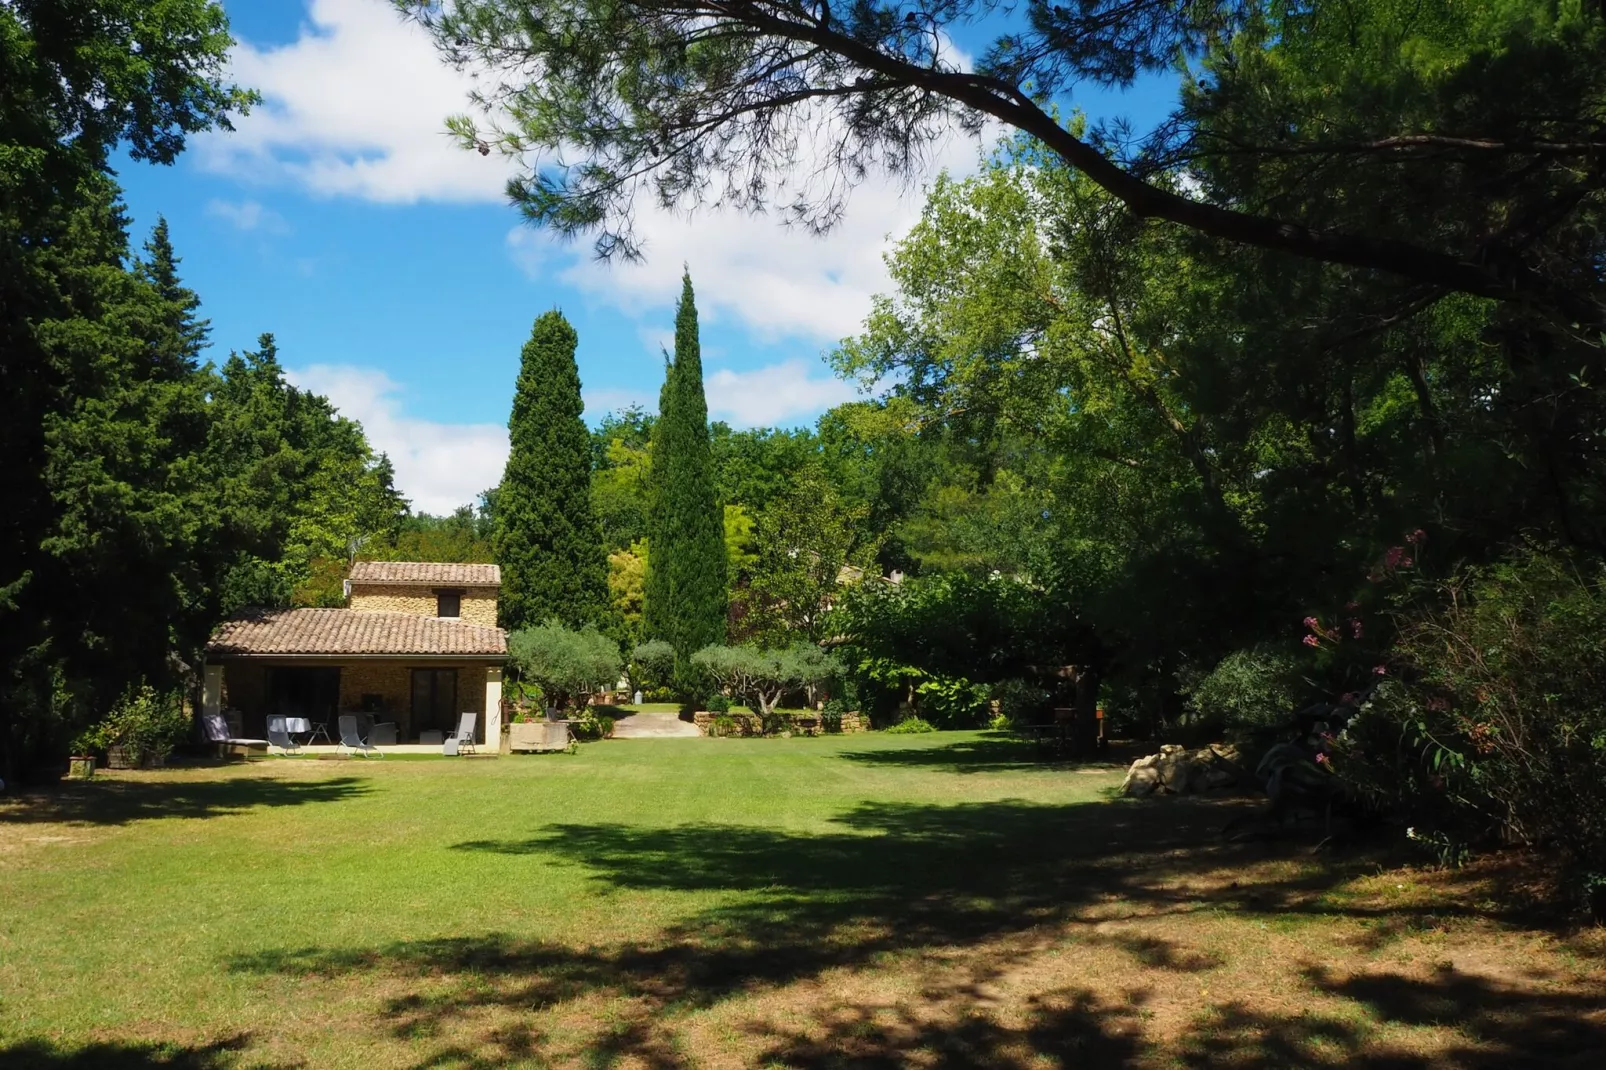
[{"x": 297, "y": 726}]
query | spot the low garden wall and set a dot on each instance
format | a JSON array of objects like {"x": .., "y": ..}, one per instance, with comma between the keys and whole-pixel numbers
[{"x": 804, "y": 724}]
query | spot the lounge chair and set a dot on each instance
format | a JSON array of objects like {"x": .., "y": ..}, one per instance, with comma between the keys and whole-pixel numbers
[
  {"x": 279, "y": 736},
  {"x": 352, "y": 743},
  {"x": 464, "y": 737},
  {"x": 217, "y": 733}
]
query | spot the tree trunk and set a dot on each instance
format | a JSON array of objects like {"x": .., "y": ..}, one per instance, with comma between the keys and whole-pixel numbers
[{"x": 1085, "y": 727}]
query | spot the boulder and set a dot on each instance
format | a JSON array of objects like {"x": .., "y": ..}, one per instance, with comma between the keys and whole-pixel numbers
[{"x": 1141, "y": 779}]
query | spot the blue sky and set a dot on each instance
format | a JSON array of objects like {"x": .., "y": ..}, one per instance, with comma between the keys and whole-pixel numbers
[{"x": 399, "y": 282}]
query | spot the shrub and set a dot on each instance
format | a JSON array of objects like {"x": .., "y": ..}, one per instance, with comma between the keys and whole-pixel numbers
[
  {"x": 719, "y": 704},
  {"x": 831, "y": 720},
  {"x": 658, "y": 694},
  {"x": 1247, "y": 695},
  {"x": 1494, "y": 717},
  {"x": 1019, "y": 703},
  {"x": 723, "y": 725},
  {"x": 911, "y": 726},
  {"x": 773, "y": 724},
  {"x": 591, "y": 726},
  {"x": 652, "y": 666},
  {"x": 146, "y": 723}
]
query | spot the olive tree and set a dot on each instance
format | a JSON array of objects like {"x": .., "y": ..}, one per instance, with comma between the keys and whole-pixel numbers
[
  {"x": 763, "y": 677},
  {"x": 569, "y": 665}
]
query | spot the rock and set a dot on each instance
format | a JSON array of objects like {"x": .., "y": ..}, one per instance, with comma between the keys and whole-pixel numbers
[
  {"x": 1174, "y": 770},
  {"x": 1141, "y": 779}
]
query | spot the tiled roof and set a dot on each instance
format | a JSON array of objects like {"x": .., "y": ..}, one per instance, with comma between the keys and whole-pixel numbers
[
  {"x": 426, "y": 572},
  {"x": 346, "y": 631}
]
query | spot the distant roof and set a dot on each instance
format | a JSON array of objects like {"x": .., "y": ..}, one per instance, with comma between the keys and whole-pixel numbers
[
  {"x": 426, "y": 572},
  {"x": 348, "y": 631}
]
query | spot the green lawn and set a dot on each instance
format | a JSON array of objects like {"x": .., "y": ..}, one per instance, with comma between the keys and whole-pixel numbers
[{"x": 865, "y": 900}]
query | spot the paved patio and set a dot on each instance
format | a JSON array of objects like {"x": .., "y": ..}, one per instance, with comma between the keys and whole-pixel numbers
[{"x": 653, "y": 726}]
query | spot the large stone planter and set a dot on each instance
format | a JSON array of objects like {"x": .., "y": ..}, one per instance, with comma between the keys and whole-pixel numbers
[
  {"x": 121, "y": 758},
  {"x": 81, "y": 767},
  {"x": 536, "y": 736}
]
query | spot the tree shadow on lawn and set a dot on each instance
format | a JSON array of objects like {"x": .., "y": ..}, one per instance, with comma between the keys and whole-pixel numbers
[
  {"x": 900, "y": 879},
  {"x": 994, "y": 752},
  {"x": 1498, "y": 1025},
  {"x": 43, "y": 1055},
  {"x": 121, "y": 802}
]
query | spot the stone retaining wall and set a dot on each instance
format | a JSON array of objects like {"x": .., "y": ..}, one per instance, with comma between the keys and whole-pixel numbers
[{"x": 749, "y": 724}]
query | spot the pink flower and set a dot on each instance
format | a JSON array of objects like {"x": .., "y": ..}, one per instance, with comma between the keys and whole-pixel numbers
[
  {"x": 1322, "y": 758},
  {"x": 1311, "y": 640},
  {"x": 1355, "y": 629},
  {"x": 1392, "y": 558},
  {"x": 1312, "y": 623},
  {"x": 1346, "y": 698},
  {"x": 1380, "y": 670},
  {"x": 1416, "y": 537}
]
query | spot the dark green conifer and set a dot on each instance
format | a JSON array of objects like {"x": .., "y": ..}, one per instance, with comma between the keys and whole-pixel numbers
[
  {"x": 546, "y": 536},
  {"x": 685, "y": 596}
]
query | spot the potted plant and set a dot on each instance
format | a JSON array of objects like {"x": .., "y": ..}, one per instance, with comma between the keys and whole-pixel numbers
[{"x": 81, "y": 763}]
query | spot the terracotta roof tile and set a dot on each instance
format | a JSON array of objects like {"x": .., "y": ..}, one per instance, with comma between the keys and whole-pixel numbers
[
  {"x": 426, "y": 572},
  {"x": 345, "y": 631}
]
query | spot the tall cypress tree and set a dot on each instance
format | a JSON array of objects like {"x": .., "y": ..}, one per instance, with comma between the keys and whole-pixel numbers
[
  {"x": 546, "y": 536},
  {"x": 685, "y": 597}
]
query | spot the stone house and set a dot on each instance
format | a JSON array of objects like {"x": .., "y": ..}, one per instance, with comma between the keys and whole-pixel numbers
[{"x": 416, "y": 646}]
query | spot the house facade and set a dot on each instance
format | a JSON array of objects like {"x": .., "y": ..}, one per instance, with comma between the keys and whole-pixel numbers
[{"x": 416, "y": 646}]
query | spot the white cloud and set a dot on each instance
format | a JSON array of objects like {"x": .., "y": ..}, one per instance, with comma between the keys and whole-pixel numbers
[
  {"x": 778, "y": 394},
  {"x": 754, "y": 270},
  {"x": 247, "y": 215},
  {"x": 355, "y": 106},
  {"x": 439, "y": 466}
]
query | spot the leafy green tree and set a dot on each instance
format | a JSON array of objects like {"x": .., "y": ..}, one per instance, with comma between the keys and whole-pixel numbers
[
  {"x": 298, "y": 491},
  {"x": 546, "y": 537},
  {"x": 627, "y": 582},
  {"x": 685, "y": 596},
  {"x": 682, "y": 97},
  {"x": 101, "y": 398},
  {"x": 459, "y": 537},
  {"x": 621, "y": 476},
  {"x": 802, "y": 544}
]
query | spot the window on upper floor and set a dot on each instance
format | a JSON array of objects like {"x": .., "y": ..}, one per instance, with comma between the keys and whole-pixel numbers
[{"x": 448, "y": 603}]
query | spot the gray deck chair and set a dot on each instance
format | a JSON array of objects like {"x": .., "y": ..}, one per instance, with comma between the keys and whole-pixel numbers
[
  {"x": 279, "y": 736},
  {"x": 465, "y": 733},
  {"x": 217, "y": 733},
  {"x": 352, "y": 743}
]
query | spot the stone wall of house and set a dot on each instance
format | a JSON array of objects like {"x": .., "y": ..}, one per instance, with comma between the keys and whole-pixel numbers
[
  {"x": 478, "y": 605},
  {"x": 749, "y": 724},
  {"x": 245, "y": 689}
]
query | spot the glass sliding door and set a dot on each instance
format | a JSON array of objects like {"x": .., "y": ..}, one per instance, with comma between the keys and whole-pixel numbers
[{"x": 435, "y": 700}]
